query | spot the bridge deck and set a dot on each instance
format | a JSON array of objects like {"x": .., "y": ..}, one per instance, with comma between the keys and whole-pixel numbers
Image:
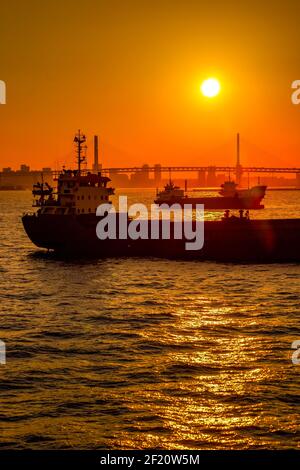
[{"x": 232, "y": 169}]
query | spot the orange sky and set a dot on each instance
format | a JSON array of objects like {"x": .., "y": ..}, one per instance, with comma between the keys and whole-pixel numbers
[{"x": 130, "y": 72}]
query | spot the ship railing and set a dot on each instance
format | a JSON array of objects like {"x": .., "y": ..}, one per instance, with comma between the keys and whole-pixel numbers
[{"x": 64, "y": 172}]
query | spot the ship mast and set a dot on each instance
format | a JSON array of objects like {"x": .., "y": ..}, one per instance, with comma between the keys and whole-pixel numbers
[{"x": 79, "y": 140}]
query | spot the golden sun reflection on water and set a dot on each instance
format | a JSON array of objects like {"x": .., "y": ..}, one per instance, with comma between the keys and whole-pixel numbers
[
  {"x": 130, "y": 353},
  {"x": 212, "y": 381}
]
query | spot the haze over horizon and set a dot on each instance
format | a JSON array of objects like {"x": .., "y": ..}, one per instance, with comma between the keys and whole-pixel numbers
[{"x": 131, "y": 74}]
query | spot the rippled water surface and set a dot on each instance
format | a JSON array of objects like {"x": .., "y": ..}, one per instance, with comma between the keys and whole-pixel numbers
[{"x": 139, "y": 353}]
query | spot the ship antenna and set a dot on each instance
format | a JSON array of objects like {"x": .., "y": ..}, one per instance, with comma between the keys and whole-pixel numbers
[{"x": 79, "y": 140}]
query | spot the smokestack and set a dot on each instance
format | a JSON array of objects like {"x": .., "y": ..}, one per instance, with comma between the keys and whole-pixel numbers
[
  {"x": 96, "y": 162},
  {"x": 239, "y": 169}
]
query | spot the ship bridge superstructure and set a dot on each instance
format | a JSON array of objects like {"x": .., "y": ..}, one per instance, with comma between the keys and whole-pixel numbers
[{"x": 78, "y": 191}]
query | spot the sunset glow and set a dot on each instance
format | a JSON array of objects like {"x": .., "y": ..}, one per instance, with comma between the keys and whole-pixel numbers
[
  {"x": 149, "y": 233},
  {"x": 136, "y": 83}
]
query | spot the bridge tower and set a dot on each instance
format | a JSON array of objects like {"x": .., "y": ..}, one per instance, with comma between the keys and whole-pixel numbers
[
  {"x": 238, "y": 168},
  {"x": 157, "y": 174},
  {"x": 211, "y": 177}
]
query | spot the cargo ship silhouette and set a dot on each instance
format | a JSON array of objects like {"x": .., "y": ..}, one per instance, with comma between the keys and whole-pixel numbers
[{"x": 65, "y": 221}]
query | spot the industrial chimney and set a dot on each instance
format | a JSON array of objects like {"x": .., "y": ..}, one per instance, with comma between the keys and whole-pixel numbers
[{"x": 96, "y": 166}]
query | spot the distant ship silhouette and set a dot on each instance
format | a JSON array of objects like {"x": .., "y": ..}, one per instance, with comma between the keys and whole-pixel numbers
[{"x": 230, "y": 197}]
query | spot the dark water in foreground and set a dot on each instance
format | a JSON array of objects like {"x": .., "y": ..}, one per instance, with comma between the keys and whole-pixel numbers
[{"x": 138, "y": 353}]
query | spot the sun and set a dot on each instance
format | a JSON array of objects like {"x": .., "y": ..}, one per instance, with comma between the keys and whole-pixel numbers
[{"x": 210, "y": 87}]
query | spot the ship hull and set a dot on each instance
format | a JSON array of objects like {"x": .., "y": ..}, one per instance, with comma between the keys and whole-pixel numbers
[
  {"x": 231, "y": 240},
  {"x": 216, "y": 203}
]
